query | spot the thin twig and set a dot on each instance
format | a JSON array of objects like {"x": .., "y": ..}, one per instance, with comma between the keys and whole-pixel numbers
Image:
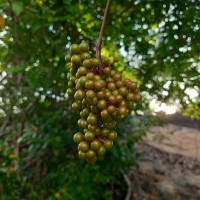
[
  {"x": 14, "y": 18},
  {"x": 98, "y": 47},
  {"x": 129, "y": 191},
  {"x": 124, "y": 68},
  {"x": 128, "y": 195},
  {"x": 4, "y": 125}
]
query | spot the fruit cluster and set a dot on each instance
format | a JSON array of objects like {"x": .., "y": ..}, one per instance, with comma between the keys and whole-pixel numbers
[{"x": 101, "y": 97}]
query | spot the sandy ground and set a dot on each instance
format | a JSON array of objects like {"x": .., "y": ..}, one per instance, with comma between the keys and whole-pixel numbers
[
  {"x": 175, "y": 139},
  {"x": 169, "y": 164}
]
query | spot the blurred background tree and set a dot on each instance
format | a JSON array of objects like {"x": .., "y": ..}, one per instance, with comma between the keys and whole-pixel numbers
[{"x": 157, "y": 42}]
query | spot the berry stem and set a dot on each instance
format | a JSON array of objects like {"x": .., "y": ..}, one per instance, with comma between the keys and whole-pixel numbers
[{"x": 98, "y": 46}]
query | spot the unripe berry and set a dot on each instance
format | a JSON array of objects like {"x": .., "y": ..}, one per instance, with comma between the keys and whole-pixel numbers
[
  {"x": 81, "y": 155},
  {"x": 132, "y": 86},
  {"x": 107, "y": 70},
  {"x": 90, "y": 94},
  {"x": 92, "y": 119},
  {"x": 90, "y": 153},
  {"x": 85, "y": 56},
  {"x": 105, "y": 132},
  {"x": 84, "y": 47},
  {"x": 106, "y": 62},
  {"x": 68, "y": 58},
  {"x": 79, "y": 95},
  {"x": 111, "y": 86},
  {"x": 101, "y": 151},
  {"x": 74, "y": 49},
  {"x": 78, "y": 137},
  {"x": 95, "y": 145},
  {"x": 102, "y": 104},
  {"x": 130, "y": 96},
  {"x": 76, "y": 60},
  {"x": 108, "y": 144},
  {"x": 83, "y": 146},
  {"x": 89, "y": 136},
  {"x": 95, "y": 62},
  {"x": 89, "y": 84},
  {"x": 112, "y": 135},
  {"x": 87, "y": 63},
  {"x": 122, "y": 110}
]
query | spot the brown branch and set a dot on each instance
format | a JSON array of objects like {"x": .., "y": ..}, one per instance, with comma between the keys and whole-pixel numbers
[
  {"x": 98, "y": 47},
  {"x": 14, "y": 19}
]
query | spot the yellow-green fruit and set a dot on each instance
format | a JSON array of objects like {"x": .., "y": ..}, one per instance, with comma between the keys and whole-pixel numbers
[
  {"x": 112, "y": 135},
  {"x": 76, "y": 106},
  {"x": 89, "y": 136},
  {"x": 81, "y": 155},
  {"x": 78, "y": 137},
  {"x": 90, "y": 153},
  {"x": 105, "y": 132},
  {"x": 95, "y": 62},
  {"x": 68, "y": 58},
  {"x": 84, "y": 47},
  {"x": 83, "y": 146},
  {"x": 95, "y": 145},
  {"x": 91, "y": 127},
  {"x": 92, "y": 119},
  {"x": 108, "y": 144},
  {"x": 76, "y": 60},
  {"x": 85, "y": 56},
  {"x": 79, "y": 95},
  {"x": 74, "y": 49},
  {"x": 101, "y": 151},
  {"x": 102, "y": 104},
  {"x": 87, "y": 63}
]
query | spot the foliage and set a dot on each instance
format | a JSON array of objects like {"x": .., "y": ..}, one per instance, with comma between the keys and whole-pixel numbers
[{"x": 160, "y": 42}]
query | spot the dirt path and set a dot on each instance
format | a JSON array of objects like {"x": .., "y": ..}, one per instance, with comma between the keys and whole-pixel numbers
[
  {"x": 169, "y": 165},
  {"x": 175, "y": 139}
]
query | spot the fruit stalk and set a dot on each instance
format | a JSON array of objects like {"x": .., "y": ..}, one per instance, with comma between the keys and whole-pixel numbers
[{"x": 98, "y": 46}]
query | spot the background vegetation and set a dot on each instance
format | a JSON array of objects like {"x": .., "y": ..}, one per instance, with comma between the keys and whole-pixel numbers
[{"x": 158, "y": 46}]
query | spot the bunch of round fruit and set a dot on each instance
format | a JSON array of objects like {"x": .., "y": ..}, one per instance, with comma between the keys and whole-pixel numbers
[{"x": 102, "y": 99}]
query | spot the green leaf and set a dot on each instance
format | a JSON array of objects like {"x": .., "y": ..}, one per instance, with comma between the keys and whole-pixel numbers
[
  {"x": 13, "y": 69},
  {"x": 68, "y": 2},
  {"x": 17, "y": 7}
]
